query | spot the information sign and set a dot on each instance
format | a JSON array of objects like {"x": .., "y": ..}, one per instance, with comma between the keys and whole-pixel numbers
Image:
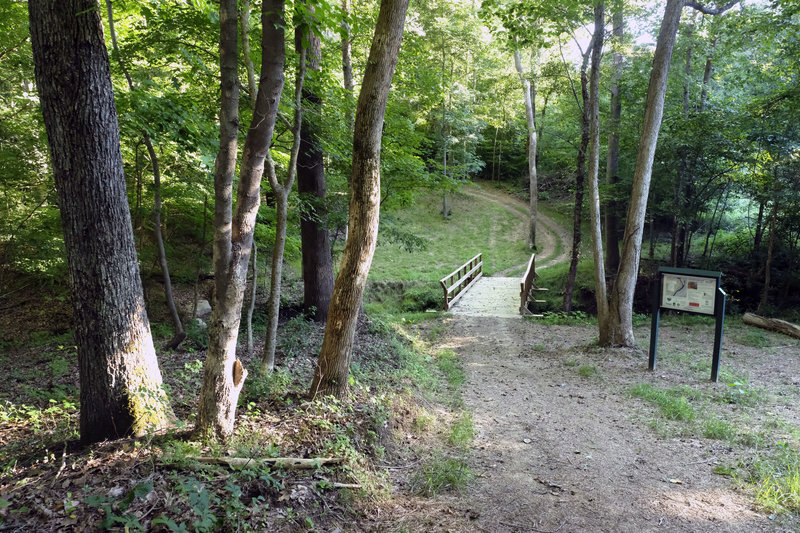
[
  {"x": 691, "y": 291},
  {"x": 694, "y": 294}
]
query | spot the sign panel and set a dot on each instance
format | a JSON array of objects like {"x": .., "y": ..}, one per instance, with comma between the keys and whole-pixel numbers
[{"x": 682, "y": 292}]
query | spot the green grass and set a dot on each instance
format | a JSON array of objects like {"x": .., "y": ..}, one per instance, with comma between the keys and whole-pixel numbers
[
  {"x": 587, "y": 371},
  {"x": 462, "y": 432},
  {"x": 752, "y": 337},
  {"x": 472, "y": 228},
  {"x": 775, "y": 479},
  {"x": 439, "y": 474},
  {"x": 448, "y": 363},
  {"x": 672, "y": 403}
]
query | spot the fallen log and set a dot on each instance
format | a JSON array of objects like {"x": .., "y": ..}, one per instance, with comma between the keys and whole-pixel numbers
[
  {"x": 772, "y": 324},
  {"x": 295, "y": 463}
]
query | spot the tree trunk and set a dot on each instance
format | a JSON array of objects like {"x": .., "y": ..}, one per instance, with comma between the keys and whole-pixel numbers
[
  {"x": 282, "y": 191},
  {"x": 612, "y": 160},
  {"x": 224, "y": 375},
  {"x": 762, "y": 303},
  {"x": 244, "y": 28},
  {"x": 121, "y": 392},
  {"x": 580, "y": 179},
  {"x": 347, "y": 64},
  {"x": 316, "y": 245},
  {"x": 331, "y": 373},
  {"x": 179, "y": 334},
  {"x": 621, "y": 310},
  {"x": 253, "y": 293},
  {"x": 530, "y": 120},
  {"x": 593, "y": 106}
]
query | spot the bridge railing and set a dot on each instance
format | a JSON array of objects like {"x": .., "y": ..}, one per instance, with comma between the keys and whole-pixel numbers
[
  {"x": 527, "y": 286},
  {"x": 460, "y": 280}
]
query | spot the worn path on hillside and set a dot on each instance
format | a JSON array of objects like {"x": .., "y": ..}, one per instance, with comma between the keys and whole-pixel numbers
[{"x": 551, "y": 236}]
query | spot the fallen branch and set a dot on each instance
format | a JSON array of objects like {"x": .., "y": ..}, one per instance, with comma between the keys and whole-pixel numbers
[
  {"x": 294, "y": 463},
  {"x": 772, "y": 324}
]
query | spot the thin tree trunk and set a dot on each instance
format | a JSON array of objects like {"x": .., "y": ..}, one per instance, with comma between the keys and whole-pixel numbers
[
  {"x": 121, "y": 390},
  {"x": 200, "y": 259},
  {"x": 707, "y": 75},
  {"x": 224, "y": 375},
  {"x": 347, "y": 64},
  {"x": 593, "y": 104},
  {"x": 612, "y": 159},
  {"x": 580, "y": 179},
  {"x": 711, "y": 226},
  {"x": 762, "y": 303},
  {"x": 331, "y": 373},
  {"x": 530, "y": 120},
  {"x": 253, "y": 293},
  {"x": 317, "y": 259},
  {"x": 679, "y": 221},
  {"x": 179, "y": 334},
  {"x": 282, "y": 191},
  {"x": 244, "y": 28}
]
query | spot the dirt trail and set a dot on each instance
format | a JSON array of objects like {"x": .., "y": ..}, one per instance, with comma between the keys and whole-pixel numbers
[
  {"x": 551, "y": 235},
  {"x": 556, "y": 451}
]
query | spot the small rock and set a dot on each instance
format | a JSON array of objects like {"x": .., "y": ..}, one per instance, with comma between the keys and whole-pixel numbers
[
  {"x": 203, "y": 309},
  {"x": 526, "y": 441}
]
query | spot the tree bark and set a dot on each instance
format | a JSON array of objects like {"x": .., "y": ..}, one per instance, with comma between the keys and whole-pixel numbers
[
  {"x": 612, "y": 159},
  {"x": 121, "y": 392},
  {"x": 224, "y": 375},
  {"x": 593, "y": 104},
  {"x": 621, "y": 310},
  {"x": 331, "y": 373},
  {"x": 253, "y": 293},
  {"x": 530, "y": 120},
  {"x": 316, "y": 245}
]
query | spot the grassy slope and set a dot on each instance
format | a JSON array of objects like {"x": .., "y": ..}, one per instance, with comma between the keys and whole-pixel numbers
[{"x": 472, "y": 228}]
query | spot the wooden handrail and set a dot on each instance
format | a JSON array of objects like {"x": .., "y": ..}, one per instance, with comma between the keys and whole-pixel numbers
[
  {"x": 527, "y": 285},
  {"x": 460, "y": 280}
]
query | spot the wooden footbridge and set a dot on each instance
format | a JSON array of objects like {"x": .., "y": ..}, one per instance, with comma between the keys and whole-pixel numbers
[{"x": 467, "y": 292}]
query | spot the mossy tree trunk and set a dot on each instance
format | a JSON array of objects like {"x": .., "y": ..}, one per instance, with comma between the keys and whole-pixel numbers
[{"x": 121, "y": 392}]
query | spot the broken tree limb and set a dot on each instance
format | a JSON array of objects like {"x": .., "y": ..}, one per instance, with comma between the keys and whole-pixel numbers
[
  {"x": 772, "y": 324},
  {"x": 295, "y": 463}
]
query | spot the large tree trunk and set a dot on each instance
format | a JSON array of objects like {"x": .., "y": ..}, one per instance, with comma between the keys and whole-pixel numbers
[
  {"x": 530, "y": 120},
  {"x": 224, "y": 375},
  {"x": 331, "y": 373},
  {"x": 621, "y": 310},
  {"x": 316, "y": 244},
  {"x": 612, "y": 159},
  {"x": 121, "y": 391},
  {"x": 593, "y": 104}
]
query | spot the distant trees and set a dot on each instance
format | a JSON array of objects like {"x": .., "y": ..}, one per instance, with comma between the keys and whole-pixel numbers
[{"x": 121, "y": 390}]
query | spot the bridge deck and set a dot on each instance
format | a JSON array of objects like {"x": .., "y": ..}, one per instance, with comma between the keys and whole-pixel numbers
[{"x": 498, "y": 297}]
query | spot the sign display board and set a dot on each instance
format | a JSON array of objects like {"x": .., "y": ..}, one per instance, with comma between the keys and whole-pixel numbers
[
  {"x": 682, "y": 292},
  {"x": 690, "y": 291}
]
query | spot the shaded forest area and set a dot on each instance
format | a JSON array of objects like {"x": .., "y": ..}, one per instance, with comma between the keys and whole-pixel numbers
[{"x": 188, "y": 176}]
